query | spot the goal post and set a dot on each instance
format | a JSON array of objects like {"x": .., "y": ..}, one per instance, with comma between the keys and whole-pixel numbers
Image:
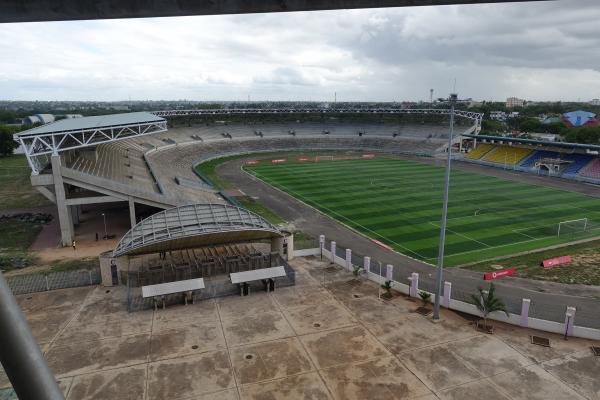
[
  {"x": 572, "y": 226},
  {"x": 323, "y": 158}
]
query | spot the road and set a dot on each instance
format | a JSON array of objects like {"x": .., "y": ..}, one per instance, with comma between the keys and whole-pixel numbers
[{"x": 550, "y": 296}]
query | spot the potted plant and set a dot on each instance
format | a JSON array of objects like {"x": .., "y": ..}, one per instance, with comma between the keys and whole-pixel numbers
[
  {"x": 387, "y": 286},
  {"x": 487, "y": 303},
  {"x": 425, "y": 300}
]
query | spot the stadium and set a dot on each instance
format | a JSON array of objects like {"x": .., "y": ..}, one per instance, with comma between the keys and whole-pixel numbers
[{"x": 198, "y": 207}]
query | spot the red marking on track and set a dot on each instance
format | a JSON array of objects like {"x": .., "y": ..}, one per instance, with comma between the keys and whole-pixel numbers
[
  {"x": 368, "y": 156},
  {"x": 380, "y": 244},
  {"x": 252, "y": 162},
  {"x": 279, "y": 160},
  {"x": 303, "y": 159}
]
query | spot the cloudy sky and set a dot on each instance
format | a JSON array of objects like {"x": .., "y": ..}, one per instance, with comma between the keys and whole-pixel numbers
[{"x": 537, "y": 51}]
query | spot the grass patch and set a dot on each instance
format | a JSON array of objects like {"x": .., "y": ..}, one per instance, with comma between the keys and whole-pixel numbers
[
  {"x": 74, "y": 264},
  {"x": 583, "y": 269},
  {"x": 17, "y": 235},
  {"x": 304, "y": 241},
  {"x": 208, "y": 169},
  {"x": 15, "y": 186},
  {"x": 252, "y": 205}
]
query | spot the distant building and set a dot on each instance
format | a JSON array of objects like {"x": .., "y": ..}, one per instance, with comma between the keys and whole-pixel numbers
[
  {"x": 580, "y": 118},
  {"x": 595, "y": 102},
  {"x": 498, "y": 115},
  {"x": 38, "y": 119},
  {"x": 513, "y": 114},
  {"x": 513, "y": 102},
  {"x": 69, "y": 116}
]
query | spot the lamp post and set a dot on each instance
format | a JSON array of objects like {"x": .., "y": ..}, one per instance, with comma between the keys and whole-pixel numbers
[
  {"x": 105, "y": 231},
  {"x": 440, "y": 265}
]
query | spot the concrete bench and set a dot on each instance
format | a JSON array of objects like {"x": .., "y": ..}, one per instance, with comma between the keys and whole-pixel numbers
[
  {"x": 187, "y": 287},
  {"x": 265, "y": 275}
]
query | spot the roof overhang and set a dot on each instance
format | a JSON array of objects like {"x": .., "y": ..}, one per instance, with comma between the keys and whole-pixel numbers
[
  {"x": 192, "y": 226},
  {"x": 533, "y": 142},
  {"x": 70, "y": 134},
  {"x": 65, "y": 10}
]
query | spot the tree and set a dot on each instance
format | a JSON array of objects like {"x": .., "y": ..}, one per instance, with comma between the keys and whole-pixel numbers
[
  {"x": 425, "y": 297},
  {"x": 487, "y": 303},
  {"x": 7, "y": 144}
]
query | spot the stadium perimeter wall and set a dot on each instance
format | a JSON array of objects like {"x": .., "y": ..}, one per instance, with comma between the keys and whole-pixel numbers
[{"x": 523, "y": 319}]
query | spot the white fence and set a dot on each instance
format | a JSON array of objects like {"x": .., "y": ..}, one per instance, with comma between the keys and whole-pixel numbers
[{"x": 447, "y": 301}]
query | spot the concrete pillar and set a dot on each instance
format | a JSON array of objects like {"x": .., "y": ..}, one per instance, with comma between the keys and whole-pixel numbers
[
  {"x": 321, "y": 244},
  {"x": 389, "y": 272},
  {"x": 367, "y": 264},
  {"x": 64, "y": 212},
  {"x": 290, "y": 246},
  {"x": 349, "y": 259},
  {"x": 75, "y": 211},
  {"x": 447, "y": 294},
  {"x": 105, "y": 268},
  {"x": 122, "y": 265},
  {"x": 277, "y": 245},
  {"x": 333, "y": 252},
  {"x": 132, "y": 212},
  {"x": 525, "y": 312},
  {"x": 414, "y": 285},
  {"x": 570, "y": 320}
]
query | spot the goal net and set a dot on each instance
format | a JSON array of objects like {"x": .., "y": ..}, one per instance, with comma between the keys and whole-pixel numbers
[{"x": 572, "y": 227}]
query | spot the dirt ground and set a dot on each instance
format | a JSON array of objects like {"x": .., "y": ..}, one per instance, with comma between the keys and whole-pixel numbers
[{"x": 328, "y": 337}]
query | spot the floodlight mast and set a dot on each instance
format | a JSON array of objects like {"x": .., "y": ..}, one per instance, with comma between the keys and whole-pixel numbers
[{"x": 440, "y": 266}]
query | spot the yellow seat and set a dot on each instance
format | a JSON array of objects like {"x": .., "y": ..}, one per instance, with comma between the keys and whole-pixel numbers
[
  {"x": 479, "y": 151},
  {"x": 507, "y": 155}
]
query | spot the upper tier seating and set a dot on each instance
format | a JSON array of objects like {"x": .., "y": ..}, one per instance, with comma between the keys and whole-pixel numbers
[
  {"x": 479, "y": 151},
  {"x": 507, "y": 155}
]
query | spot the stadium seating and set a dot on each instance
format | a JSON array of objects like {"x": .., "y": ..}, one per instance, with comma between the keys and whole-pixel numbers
[
  {"x": 507, "y": 155},
  {"x": 479, "y": 151},
  {"x": 592, "y": 170},
  {"x": 578, "y": 160}
]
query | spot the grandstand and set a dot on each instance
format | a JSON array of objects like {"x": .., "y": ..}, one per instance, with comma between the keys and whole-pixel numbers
[
  {"x": 132, "y": 158},
  {"x": 567, "y": 160}
]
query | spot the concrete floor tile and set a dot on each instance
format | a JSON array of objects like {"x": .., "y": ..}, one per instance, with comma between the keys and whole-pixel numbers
[
  {"x": 340, "y": 346},
  {"x": 482, "y": 389},
  {"x": 581, "y": 371},
  {"x": 124, "y": 383},
  {"x": 187, "y": 377},
  {"x": 305, "y": 386},
  {"x": 85, "y": 357},
  {"x": 187, "y": 340},
  {"x": 383, "y": 378},
  {"x": 438, "y": 367},
  {"x": 314, "y": 318},
  {"x": 257, "y": 327},
  {"x": 487, "y": 355},
  {"x": 179, "y": 316},
  {"x": 533, "y": 383},
  {"x": 269, "y": 360}
]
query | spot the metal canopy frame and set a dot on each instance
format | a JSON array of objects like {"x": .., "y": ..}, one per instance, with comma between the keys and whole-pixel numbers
[
  {"x": 419, "y": 111},
  {"x": 191, "y": 220},
  {"x": 42, "y": 144}
]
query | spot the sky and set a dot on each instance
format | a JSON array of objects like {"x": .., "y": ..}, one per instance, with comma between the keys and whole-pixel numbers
[{"x": 540, "y": 51}]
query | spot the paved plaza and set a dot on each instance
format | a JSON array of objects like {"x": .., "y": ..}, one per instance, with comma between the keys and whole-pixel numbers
[{"x": 329, "y": 337}]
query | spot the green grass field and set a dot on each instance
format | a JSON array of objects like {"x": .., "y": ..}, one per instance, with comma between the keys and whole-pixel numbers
[
  {"x": 15, "y": 188},
  {"x": 399, "y": 203}
]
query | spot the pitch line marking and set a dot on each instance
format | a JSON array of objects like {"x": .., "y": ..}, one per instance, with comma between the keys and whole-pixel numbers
[{"x": 460, "y": 234}]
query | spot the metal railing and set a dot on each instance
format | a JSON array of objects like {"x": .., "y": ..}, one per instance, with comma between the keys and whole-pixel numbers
[{"x": 32, "y": 283}]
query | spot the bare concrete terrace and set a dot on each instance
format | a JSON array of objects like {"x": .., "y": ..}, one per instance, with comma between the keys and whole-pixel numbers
[{"x": 329, "y": 337}]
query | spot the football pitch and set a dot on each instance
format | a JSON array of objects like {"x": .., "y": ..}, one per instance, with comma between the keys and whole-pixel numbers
[{"x": 399, "y": 203}]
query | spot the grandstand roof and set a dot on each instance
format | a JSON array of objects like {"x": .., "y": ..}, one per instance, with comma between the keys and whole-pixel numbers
[
  {"x": 194, "y": 225},
  {"x": 566, "y": 145},
  {"x": 89, "y": 123}
]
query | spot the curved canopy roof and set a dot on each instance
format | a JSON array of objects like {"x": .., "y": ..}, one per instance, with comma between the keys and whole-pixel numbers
[{"x": 194, "y": 225}]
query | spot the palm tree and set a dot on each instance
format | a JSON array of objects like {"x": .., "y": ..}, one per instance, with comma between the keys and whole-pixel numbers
[{"x": 487, "y": 303}]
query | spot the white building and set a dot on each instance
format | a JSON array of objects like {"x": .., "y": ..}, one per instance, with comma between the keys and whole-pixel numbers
[
  {"x": 595, "y": 102},
  {"x": 38, "y": 119}
]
